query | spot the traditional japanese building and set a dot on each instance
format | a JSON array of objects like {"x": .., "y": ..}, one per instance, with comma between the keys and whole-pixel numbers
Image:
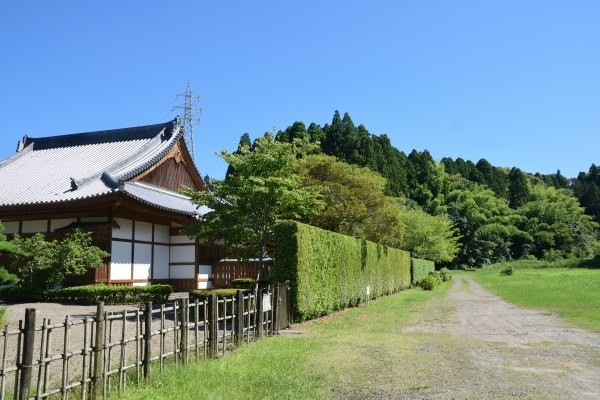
[{"x": 124, "y": 186}]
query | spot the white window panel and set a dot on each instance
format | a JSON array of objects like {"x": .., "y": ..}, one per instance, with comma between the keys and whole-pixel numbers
[
  {"x": 143, "y": 231},
  {"x": 161, "y": 262},
  {"x": 183, "y": 254},
  {"x": 120, "y": 266},
  {"x": 142, "y": 259},
  {"x": 35, "y": 226},
  {"x": 161, "y": 234}
]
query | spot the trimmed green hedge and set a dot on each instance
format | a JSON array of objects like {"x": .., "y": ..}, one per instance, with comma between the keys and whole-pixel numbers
[
  {"x": 419, "y": 269},
  {"x": 329, "y": 271},
  {"x": 91, "y": 294}
]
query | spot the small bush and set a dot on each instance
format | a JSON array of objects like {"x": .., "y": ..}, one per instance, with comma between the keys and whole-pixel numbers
[
  {"x": 445, "y": 274},
  {"x": 243, "y": 283},
  {"x": 17, "y": 294},
  {"x": 508, "y": 270},
  {"x": 90, "y": 294},
  {"x": 431, "y": 281},
  {"x": 203, "y": 294}
]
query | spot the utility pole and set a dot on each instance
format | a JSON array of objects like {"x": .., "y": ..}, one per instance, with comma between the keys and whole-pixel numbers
[{"x": 191, "y": 110}]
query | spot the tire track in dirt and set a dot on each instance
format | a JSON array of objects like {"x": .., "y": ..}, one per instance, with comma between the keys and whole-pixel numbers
[{"x": 511, "y": 347}]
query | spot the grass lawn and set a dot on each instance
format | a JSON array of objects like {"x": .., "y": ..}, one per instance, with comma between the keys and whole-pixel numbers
[
  {"x": 572, "y": 293},
  {"x": 356, "y": 352}
]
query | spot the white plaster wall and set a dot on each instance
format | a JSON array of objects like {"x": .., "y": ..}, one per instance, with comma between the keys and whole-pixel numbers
[
  {"x": 120, "y": 266},
  {"x": 181, "y": 240},
  {"x": 35, "y": 226},
  {"x": 141, "y": 283},
  {"x": 10, "y": 226},
  {"x": 203, "y": 285},
  {"x": 125, "y": 230},
  {"x": 204, "y": 272},
  {"x": 183, "y": 254},
  {"x": 161, "y": 262},
  {"x": 143, "y": 231},
  {"x": 161, "y": 234},
  {"x": 142, "y": 259},
  {"x": 60, "y": 223},
  {"x": 182, "y": 272}
]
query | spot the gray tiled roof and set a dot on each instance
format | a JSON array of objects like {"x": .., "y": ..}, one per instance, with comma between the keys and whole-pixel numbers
[
  {"x": 162, "y": 198},
  {"x": 85, "y": 165}
]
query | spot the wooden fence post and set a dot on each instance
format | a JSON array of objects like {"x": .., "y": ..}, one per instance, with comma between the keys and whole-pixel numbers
[
  {"x": 260, "y": 320},
  {"x": 213, "y": 326},
  {"x": 276, "y": 309},
  {"x": 184, "y": 318},
  {"x": 27, "y": 359},
  {"x": 98, "y": 378},
  {"x": 147, "y": 341},
  {"x": 288, "y": 303},
  {"x": 239, "y": 317}
]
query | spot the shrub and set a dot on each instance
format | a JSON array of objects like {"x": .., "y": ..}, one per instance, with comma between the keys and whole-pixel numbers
[
  {"x": 90, "y": 294},
  {"x": 419, "y": 269},
  {"x": 329, "y": 271},
  {"x": 509, "y": 270},
  {"x": 204, "y": 294},
  {"x": 431, "y": 281},
  {"x": 18, "y": 294},
  {"x": 445, "y": 274},
  {"x": 243, "y": 283}
]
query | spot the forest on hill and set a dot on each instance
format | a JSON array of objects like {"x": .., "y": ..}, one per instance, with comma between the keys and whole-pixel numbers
[{"x": 478, "y": 213}]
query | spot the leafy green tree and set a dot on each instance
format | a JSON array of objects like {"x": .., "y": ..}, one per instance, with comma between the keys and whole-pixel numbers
[
  {"x": 34, "y": 260},
  {"x": 315, "y": 133},
  {"x": 41, "y": 263},
  {"x": 6, "y": 248},
  {"x": 354, "y": 200},
  {"x": 495, "y": 178},
  {"x": 486, "y": 224},
  {"x": 265, "y": 187},
  {"x": 245, "y": 142},
  {"x": 558, "y": 224},
  {"x": 429, "y": 237},
  {"x": 518, "y": 188}
]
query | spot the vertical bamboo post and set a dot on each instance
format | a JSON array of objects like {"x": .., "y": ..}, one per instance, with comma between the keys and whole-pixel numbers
[
  {"x": 147, "y": 340},
  {"x": 183, "y": 342},
  {"x": 239, "y": 317},
  {"x": 27, "y": 359},
  {"x": 213, "y": 326},
  {"x": 98, "y": 378}
]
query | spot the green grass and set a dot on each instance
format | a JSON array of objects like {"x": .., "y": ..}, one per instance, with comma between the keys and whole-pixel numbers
[
  {"x": 355, "y": 352},
  {"x": 572, "y": 293}
]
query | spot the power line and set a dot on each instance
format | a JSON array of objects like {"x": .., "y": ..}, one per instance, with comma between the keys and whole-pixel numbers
[{"x": 191, "y": 110}]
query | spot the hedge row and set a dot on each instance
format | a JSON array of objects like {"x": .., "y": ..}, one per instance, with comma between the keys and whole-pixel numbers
[
  {"x": 91, "y": 294},
  {"x": 419, "y": 269},
  {"x": 329, "y": 271}
]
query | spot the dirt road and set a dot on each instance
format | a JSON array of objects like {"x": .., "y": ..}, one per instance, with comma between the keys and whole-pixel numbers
[{"x": 510, "y": 352}]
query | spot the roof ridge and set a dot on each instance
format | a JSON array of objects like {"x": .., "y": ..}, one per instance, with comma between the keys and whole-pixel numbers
[
  {"x": 116, "y": 176},
  {"x": 97, "y": 137}
]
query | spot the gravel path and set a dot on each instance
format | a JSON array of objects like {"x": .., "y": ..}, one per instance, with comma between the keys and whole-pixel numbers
[{"x": 513, "y": 352}]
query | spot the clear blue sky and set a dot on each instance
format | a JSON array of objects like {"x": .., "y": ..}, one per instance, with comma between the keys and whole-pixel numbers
[{"x": 514, "y": 82}]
